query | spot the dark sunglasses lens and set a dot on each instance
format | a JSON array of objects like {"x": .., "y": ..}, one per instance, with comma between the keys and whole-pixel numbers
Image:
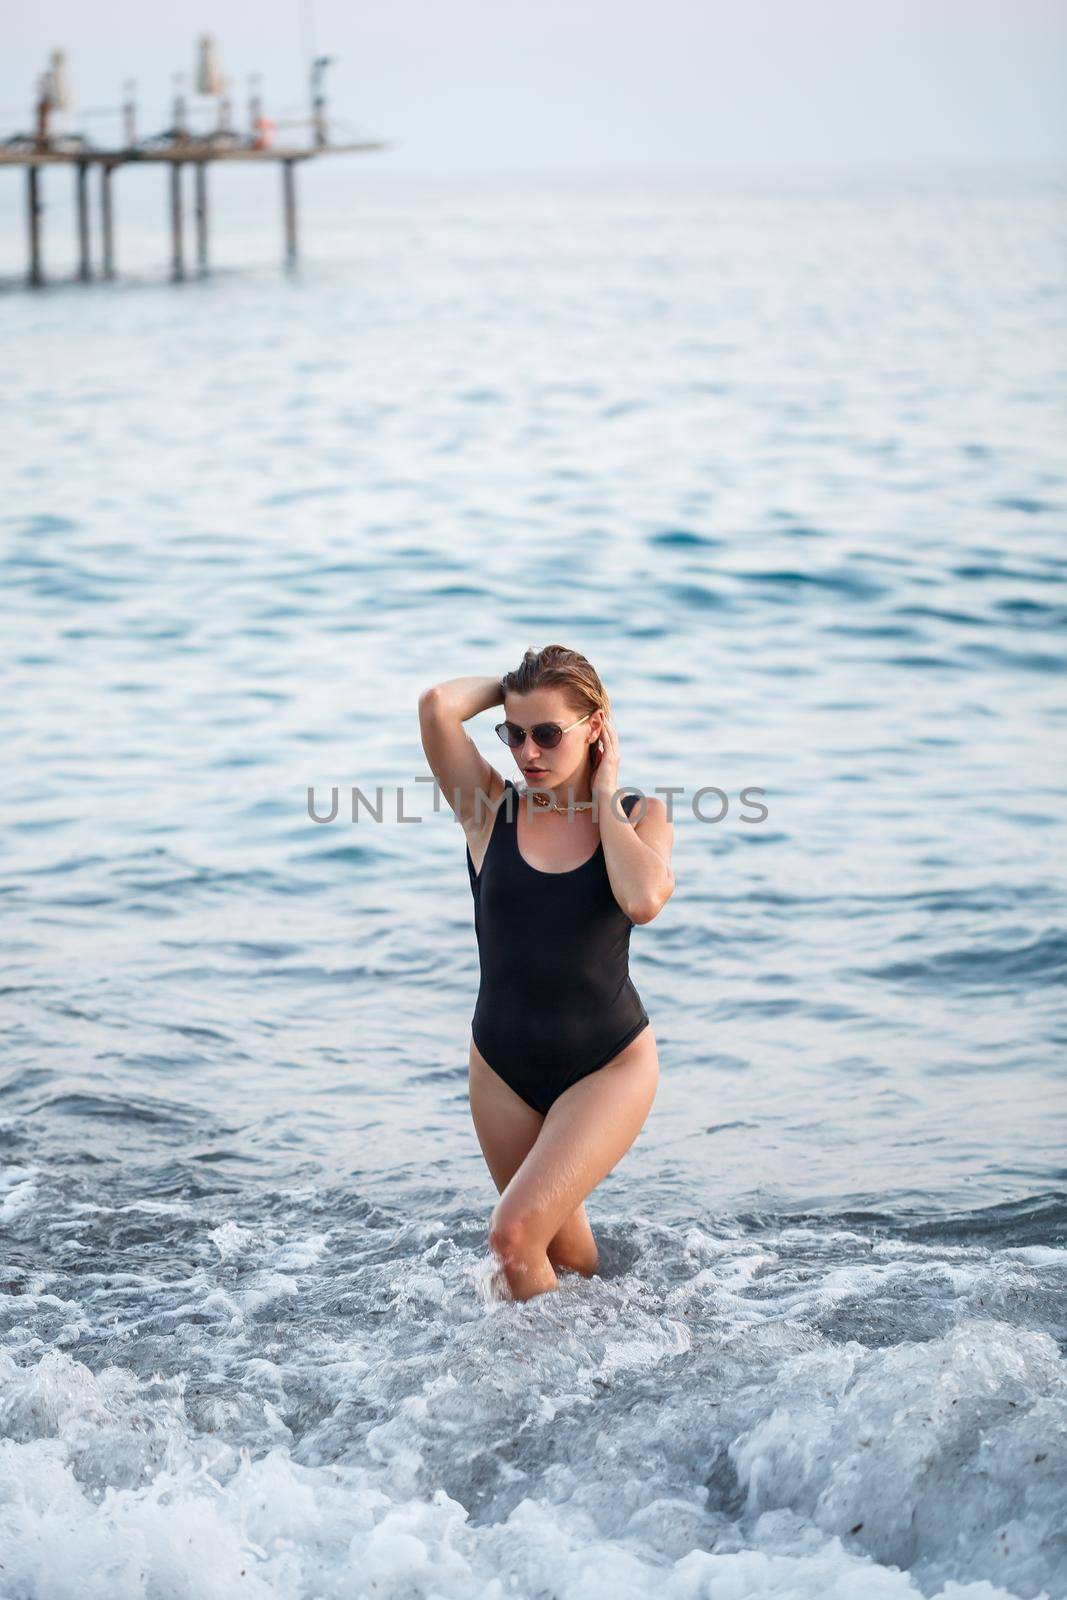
[{"x": 546, "y": 734}]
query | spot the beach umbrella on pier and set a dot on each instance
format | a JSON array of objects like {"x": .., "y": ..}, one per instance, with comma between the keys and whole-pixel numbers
[
  {"x": 59, "y": 90},
  {"x": 209, "y": 79}
]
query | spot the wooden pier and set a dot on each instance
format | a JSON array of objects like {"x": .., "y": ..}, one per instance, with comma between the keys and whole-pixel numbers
[{"x": 175, "y": 149}]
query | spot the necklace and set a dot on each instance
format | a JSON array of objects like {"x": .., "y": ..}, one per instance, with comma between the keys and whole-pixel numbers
[{"x": 545, "y": 804}]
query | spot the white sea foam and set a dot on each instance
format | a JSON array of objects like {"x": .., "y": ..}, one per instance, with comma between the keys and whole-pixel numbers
[{"x": 614, "y": 1438}]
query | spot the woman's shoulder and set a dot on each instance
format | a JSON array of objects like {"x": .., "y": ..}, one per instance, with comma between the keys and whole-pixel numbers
[
  {"x": 647, "y": 805},
  {"x": 631, "y": 797}
]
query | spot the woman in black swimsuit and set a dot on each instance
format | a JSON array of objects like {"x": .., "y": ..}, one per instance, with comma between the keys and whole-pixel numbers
[{"x": 563, "y": 1062}]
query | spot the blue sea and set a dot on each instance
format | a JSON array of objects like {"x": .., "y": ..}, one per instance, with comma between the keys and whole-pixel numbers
[{"x": 784, "y": 458}]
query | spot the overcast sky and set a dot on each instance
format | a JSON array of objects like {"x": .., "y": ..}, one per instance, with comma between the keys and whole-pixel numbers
[{"x": 469, "y": 86}]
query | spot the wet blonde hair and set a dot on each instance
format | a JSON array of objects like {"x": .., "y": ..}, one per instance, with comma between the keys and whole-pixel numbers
[{"x": 556, "y": 667}]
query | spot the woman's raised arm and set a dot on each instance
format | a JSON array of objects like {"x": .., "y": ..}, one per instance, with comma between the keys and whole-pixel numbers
[{"x": 455, "y": 760}]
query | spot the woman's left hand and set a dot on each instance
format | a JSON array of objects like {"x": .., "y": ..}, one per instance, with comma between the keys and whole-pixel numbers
[{"x": 605, "y": 779}]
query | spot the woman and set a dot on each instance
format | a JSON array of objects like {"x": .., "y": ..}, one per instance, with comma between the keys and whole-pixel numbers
[{"x": 570, "y": 1068}]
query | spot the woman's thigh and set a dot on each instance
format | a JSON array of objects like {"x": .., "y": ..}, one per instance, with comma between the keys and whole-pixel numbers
[
  {"x": 585, "y": 1134},
  {"x": 506, "y": 1126}
]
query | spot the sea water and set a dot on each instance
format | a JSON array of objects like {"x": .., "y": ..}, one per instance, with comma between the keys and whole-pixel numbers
[{"x": 784, "y": 460}]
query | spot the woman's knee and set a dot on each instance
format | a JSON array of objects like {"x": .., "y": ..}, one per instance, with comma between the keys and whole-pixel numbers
[{"x": 513, "y": 1233}]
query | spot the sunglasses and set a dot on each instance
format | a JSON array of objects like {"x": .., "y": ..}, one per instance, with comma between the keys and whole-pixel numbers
[{"x": 546, "y": 735}]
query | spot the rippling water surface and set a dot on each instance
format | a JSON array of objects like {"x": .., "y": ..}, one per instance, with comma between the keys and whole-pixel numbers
[{"x": 786, "y": 465}]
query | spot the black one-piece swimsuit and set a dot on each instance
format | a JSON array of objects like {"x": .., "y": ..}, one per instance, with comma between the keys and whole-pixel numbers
[{"x": 555, "y": 1000}]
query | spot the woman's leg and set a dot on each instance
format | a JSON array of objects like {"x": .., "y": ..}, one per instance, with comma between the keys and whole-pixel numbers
[
  {"x": 585, "y": 1134},
  {"x": 507, "y": 1129}
]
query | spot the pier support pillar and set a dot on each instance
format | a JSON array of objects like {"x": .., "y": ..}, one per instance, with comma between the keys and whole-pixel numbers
[
  {"x": 107, "y": 221},
  {"x": 84, "y": 263},
  {"x": 177, "y": 253},
  {"x": 33, "y": 221},
  {"x": 201, "y": 215},
  {"x": 289, "y": 194}
]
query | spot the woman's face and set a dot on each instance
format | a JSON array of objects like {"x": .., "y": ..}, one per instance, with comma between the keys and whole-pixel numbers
[{"x": 541, "y": 765}]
